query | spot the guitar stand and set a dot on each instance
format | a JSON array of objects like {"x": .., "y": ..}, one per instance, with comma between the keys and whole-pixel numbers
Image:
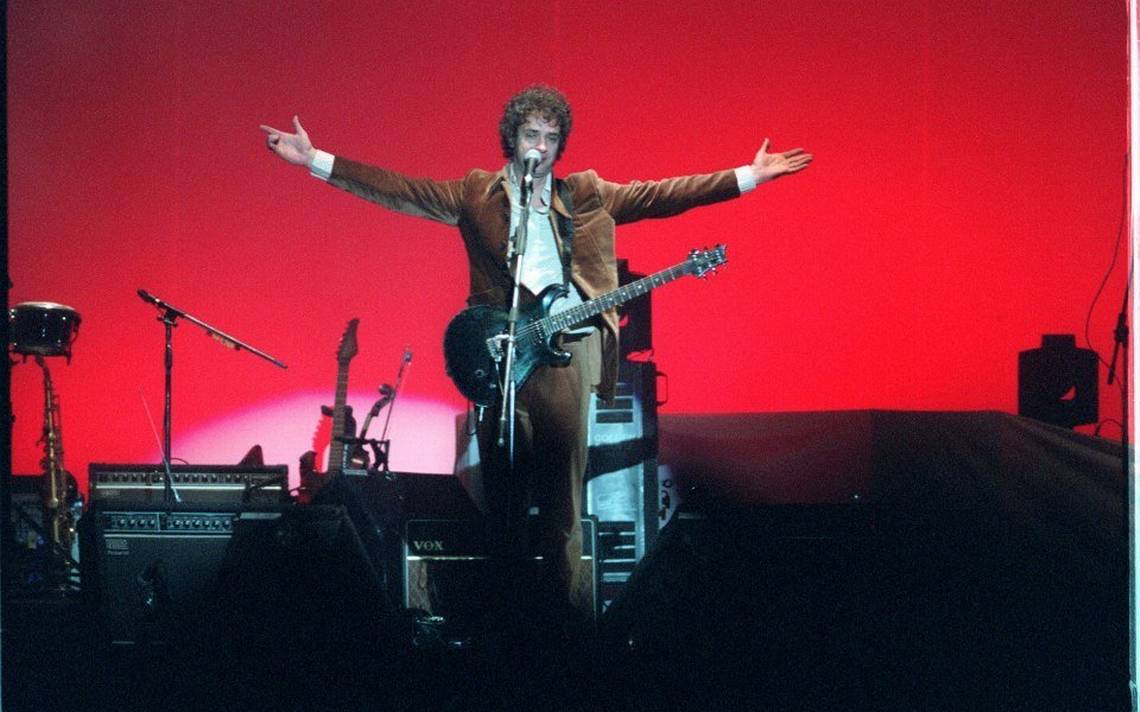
[{"x": 379, "y": 453}]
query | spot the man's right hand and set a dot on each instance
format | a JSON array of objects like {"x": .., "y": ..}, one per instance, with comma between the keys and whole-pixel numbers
[{"x": 293, "y": 147}]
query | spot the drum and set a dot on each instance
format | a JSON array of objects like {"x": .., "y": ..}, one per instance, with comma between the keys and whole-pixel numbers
[{"x": 43, "y": 328}]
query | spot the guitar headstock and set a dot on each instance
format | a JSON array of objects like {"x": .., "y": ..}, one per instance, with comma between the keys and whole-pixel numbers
[
  {"x": 347, "y": 348},
  {"x": 706, "y": 260}
]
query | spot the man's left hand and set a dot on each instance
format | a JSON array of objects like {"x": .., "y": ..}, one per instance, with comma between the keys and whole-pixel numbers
[{"x": 769, "y": 166}]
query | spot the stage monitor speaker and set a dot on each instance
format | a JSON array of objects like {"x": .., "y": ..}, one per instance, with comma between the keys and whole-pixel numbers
[
  {"x": 300, "y": 582},
  {"x": 780, "y": 587}
]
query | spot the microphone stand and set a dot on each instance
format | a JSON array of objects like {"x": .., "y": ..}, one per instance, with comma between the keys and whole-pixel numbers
[
  {"x": 516, "y": 250},
  {"x": 1120, "y": 336},
  {"x": 168, "y": 492},
  {"x": 169, "y": 317}
]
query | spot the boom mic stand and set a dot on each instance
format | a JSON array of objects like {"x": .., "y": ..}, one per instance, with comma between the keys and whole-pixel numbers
[{"x": 169, "y": 317}]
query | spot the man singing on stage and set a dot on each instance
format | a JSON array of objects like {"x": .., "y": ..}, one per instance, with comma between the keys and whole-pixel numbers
[{"x": 570, "y": 242}]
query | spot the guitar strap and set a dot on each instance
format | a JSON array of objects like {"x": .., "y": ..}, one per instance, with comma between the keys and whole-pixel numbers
[{"x": 565, "y": 228}]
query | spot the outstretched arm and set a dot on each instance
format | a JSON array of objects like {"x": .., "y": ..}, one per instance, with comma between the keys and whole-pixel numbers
[
  {"x": 657, "y": 199},
  {"x": 413, "y": 196},
  {"x": 296, "y": 148},
  {"x": 770, "y": 166}
]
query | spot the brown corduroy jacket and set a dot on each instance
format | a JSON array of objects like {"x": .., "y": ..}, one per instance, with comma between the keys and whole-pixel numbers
[{"x": 479, "y": 205}]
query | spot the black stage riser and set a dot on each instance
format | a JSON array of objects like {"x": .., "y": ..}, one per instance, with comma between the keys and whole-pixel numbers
[{"x": 809, "y": 607}]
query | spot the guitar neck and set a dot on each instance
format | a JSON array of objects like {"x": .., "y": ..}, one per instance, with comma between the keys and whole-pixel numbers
[
  {"x": 336, "y": 448},
  {"x": 609, "y": 300}
]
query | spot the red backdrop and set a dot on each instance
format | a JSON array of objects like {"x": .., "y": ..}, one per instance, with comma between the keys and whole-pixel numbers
[{"x": 965, "y": 198}]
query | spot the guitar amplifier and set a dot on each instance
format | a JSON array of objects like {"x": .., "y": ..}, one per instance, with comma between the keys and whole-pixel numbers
[
  {"x": 147, "y": 570},
  {"x": 161, "y": 577},
  {"x": 446, "y": 570},
  {"x": 141, "y": 486}
]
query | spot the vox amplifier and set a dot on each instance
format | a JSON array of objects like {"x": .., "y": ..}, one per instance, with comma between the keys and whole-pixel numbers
[{"x": 446, "y": 570}]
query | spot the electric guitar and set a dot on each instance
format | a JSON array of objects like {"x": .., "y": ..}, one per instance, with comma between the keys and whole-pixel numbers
[
  {"x": 311, "y": 479},
  {"x": 475, "y": 341}
]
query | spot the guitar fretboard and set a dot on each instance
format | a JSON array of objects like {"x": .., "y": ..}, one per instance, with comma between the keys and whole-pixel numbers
[
  {"x": 609, "y": 300},
  {"x": 336, "y": 449}
]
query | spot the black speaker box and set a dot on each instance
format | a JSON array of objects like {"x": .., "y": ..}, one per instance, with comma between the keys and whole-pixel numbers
[
  {"x": 161, "y": 577},
  {"x": 380, "y": 504},
  {"x": 746, "y": 609},
  {"x": 1057, "y": 383},
  {"x": 636, "y": 315},
  {"x": 146, "y": 571},
  {"x": 299, "y": 580}
]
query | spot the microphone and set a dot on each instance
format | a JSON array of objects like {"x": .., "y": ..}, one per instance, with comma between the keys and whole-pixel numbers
[
  {"x": 530, "y": 162},
  {"x": 172, "y": 312}
]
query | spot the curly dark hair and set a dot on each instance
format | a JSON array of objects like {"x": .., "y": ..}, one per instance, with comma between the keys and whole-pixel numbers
[{"x": 547, "y": 102}]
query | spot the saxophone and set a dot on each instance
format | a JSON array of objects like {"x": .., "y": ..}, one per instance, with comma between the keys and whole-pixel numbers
[{"x": 57, "y": 491}]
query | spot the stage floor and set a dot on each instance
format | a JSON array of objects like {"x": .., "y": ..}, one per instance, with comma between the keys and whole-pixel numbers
[{"x": 983, "y": 567}]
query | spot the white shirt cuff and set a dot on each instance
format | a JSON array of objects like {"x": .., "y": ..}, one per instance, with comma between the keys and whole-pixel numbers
[
  {"x": 322, "y": 165},
  {"x": 744, "y": 179}
]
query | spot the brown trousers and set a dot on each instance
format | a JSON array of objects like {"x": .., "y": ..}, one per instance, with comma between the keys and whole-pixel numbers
[{"x": 551, "y": 412}]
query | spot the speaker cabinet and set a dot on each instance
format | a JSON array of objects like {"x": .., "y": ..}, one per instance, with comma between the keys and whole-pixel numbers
[
  {"x": 146, "y": 571},
  {"x": 159, "y": 577},
  {"x": 785, "y": 588},
  {"x": 622, "y": 488}
]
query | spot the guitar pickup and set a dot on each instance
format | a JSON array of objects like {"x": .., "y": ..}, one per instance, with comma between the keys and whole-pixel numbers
[{"x": 495, "y": 346}]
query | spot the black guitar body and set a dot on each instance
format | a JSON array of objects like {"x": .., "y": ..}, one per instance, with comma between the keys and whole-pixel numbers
[
  {"x": 475, "y": 344},
  {"x": 473, "y": 361}
]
